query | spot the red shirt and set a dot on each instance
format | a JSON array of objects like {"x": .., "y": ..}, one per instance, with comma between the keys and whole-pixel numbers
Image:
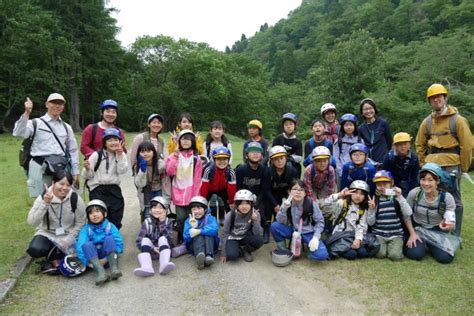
[
  {"x": 88, "y": 146},
  {"x": 219, "y": 183}
]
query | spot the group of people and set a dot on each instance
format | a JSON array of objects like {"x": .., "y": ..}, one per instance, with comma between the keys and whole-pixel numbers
[{"x": 350, "y": 191}]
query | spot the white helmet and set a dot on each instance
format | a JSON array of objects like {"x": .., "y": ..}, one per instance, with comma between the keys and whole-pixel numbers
[
  {"x": 198, "y": 200},
  {"x": 96, "y": 202},
  {"x": 281, "y": 258},
  {"x": 163, "y": 201},
  {"x": 244, "y": 195},
  {"x": 320, "y": 152},
  {"x": 185, "y": 132},
  {"x": 361, "y": 185},
  {"x": 277, "y": 151},
  {"x": 326, "y": 107}
]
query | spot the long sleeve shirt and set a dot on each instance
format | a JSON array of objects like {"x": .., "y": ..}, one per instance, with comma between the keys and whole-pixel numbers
[
  {"x": 241, "y": 227},
  {"x": 353, "y": 221},
  {"x": 91, "y": 143},
  {"x": 296, "y": 212},
  {"x": 377, "y": 137},
  {"x": 109, "y": 171},
  {"x": 45, "y": 144}
]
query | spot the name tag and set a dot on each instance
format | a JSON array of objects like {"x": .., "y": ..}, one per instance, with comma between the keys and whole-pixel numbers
[{"x": 60, "y": 231}]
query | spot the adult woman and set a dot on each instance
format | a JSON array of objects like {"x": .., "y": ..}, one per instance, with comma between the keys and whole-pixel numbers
[
  {"x": 155, "y": 126},
  {"x": 375, "y": 131},
  {"x": 58, "y": 215},
  {"x": 433, "y": 216}
]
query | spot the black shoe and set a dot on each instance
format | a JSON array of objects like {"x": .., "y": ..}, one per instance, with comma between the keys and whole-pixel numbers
[{"x": 248, "y": 257}]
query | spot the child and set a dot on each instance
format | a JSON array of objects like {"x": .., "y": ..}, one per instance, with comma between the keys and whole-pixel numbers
[
  {"x": 201, "y": 232},
  {"x": 148, "y": 172},
  {"x": 359, "y": 168},
  {"x": 216, "y": 138},
  {"x": 388, "y": 211},
  {"x": 155, "y": 127},
  {"x": 403, "y": 163},
  {"x": 242, "y": 232},
  {"x": 89, "y": 140},
  {"x": 185, "y": 122},
  {"x": 185, "y": 167},
  {"x": 348, "y": 209},
  {"x": 99, "y": 243},
  {"x": 318, "y": 139},
  {"x": 256, "y": 135},
  {"x": 290, "y": 142},
  {"x": 301, "y": 216},
  {"x": 282, "y": 173},
  {"x": 154, "y": 239},
  {"x": 328, "y": 113},
  {"x": 102, "y": 171},
  {"x": 347, "y": 137},
  {"x": 219, "y": 178},
  {"x": 320, "y": 176},
  {"x": 254, "y": 176}
]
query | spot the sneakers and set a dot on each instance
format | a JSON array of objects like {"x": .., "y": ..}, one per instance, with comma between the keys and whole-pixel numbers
[
  {"x": 200, "y": 258},
  {"x": 248, "y": 257},
  {"x": 208, "y": 261}
]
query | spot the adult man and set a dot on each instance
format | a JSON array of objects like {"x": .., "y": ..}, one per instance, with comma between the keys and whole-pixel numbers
[
  {"x": 45, "y": 143},
  {"x": 444, "y": 138}
]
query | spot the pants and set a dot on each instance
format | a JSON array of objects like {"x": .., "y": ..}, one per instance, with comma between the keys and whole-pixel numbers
[
  {"x": 204, "y": 244},
  {"x": 92, "y": 251},
  {"x": 39, "y": 247},
  {"x": 182, "y": 213},
  {"x": 280, "y": 232},
  {"x": 251, "y": 242},
  {"x": 392, "y": 249},
  {"x": 111, "y": 195},
  {"x": 37, "y": 179},
  {"x": 457, "y": 197},
  {"x": 420, "y": 250},
  {"x": 356, "y": 253}
]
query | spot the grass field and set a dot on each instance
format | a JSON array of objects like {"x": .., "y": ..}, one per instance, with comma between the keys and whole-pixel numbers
[{"x": 405, "y": 287}]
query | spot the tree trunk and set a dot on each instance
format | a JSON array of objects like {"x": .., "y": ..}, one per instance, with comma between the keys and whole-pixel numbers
[{"x": 74, "y": 118}]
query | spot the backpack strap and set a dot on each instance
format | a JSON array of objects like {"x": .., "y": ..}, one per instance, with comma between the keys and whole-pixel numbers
[
  {"x": 452, "y": 127},
  {"x": 100, "y": 155},
  {"x": 74, "y": 201},
  {"x": 308, "y": 211},
  {"x": 232, "y": 220},
  {"x": 93, "y": 134},
  {"x": 442, "y": 203},
  {"x": 108, "y": 228}
]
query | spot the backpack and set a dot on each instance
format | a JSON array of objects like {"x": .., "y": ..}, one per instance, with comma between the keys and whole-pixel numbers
[
  {"x": 342, "y": 215},
  {"x": 452, "y": 127},
  {"x": 108, "y": 228},
  {"x": 307, "y": 212},
  {"x": 24, "y": 155},
  {"x": 73, "y": 200},
  {"x": 312, "y": 144},
  {"x": 340, "y": 142}
]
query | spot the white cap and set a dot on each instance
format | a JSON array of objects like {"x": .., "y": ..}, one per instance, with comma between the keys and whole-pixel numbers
[{"x": 55, "y": 96}]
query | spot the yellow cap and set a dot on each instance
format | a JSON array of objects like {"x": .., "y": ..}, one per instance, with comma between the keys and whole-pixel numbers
[
  {"x": 256, "y": 123},
  {"x": 401, "y": 137},
  {"x": 435, "y": 89}
]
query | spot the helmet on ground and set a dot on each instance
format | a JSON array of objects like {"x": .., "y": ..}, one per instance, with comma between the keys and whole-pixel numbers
[
  {"x": 221, "y": 152},
  {"x": 320, "y": 152},
  {"x": 161, "y": 200},
  {"x": 111, "y": 132},
  {"x": 96, "y": 203},
  {"x": 198, "y": 201},
  {"x": 255, "y": 123},
  {"x": 254, "y": 146},
  {"x": 155, "y": 115},
  {"x": 435, "y": 89},
  {"x": 358, "y": 147},
  {"x": 348, "y": 117},
  {"x": 328, "y": 107},
  {"x": 361, "y": 185},
  {"x": 281, "y": 258},
  {"x": 433, "y": 168},
  {"x": 383, "y": 176},
  {"x": 185, "y": 132},
  {"x": 71, "y": 266},
  {"x": 109, "y": 104},
  {"x": 277, "y": 151},
  {"x": 289, "y": 117},
  {"x": 401, "y": 137},
  {"x": 244, "y": 195}
]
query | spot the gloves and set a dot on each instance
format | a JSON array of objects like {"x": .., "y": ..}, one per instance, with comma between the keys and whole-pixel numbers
[
  {"x": 193, "y": 232},
  {"x": 286, "y": 203},
  {"x": 313, "y": 244},
  {"x": 142, "y": 163}
]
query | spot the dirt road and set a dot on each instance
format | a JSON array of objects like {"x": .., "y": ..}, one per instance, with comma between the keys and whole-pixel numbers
[{"x": 304, "y": 287}]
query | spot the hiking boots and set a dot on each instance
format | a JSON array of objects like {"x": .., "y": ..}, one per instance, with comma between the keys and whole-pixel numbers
[
  {"x": 208, "y": 261},
  {"x": 200, "y": 259},
  {"x": 248, "y": 257}
]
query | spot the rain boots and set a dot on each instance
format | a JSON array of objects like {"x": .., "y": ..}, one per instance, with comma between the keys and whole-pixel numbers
[
  {"x": 165, "y": 265},
  {"x": 102, "y": 276},
  {"x": 146, "y": 267},
  {"x": 112, "y": 258}
]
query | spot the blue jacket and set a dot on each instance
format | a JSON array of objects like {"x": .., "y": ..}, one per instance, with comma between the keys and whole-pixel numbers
[
  {"x": 404, "y": 170},
  {"x": 377, "y": 137},
  {"x": 350, "y": 173},
  {"x": 208, "y": 226},
  {"x": 97, "y": 234}
]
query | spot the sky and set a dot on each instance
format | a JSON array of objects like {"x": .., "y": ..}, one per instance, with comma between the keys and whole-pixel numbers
[{"x": 217, "y": 22}]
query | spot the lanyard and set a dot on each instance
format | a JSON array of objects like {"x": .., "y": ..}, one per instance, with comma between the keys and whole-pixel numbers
[{"x": 60, "y": 217}]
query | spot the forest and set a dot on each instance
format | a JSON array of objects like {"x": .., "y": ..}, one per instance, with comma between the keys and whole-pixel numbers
[{"x": 337, "y": 51}]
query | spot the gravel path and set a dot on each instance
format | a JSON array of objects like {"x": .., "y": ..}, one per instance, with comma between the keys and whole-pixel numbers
[{"x": 304, "y": 287}]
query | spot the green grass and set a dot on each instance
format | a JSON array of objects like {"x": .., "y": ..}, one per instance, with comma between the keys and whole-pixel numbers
[{"x": 405, "y": 287}]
